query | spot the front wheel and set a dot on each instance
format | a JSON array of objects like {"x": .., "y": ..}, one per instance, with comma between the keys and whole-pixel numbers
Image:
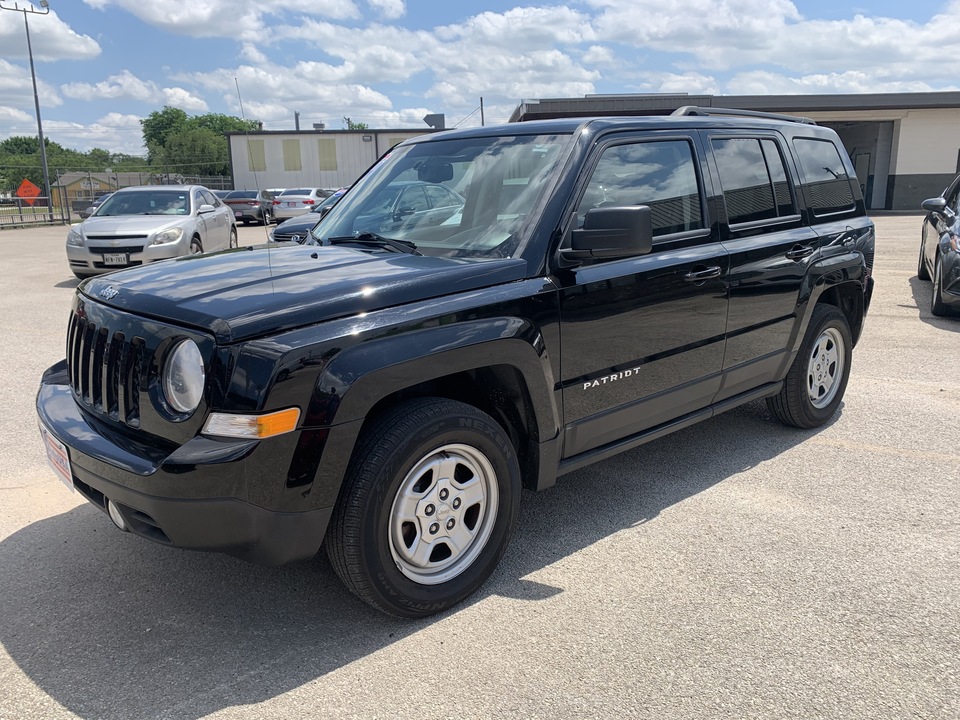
[
  {"x": 427, "y": 507},
  {"x": 814, "y": 386},
  {"x": 937, "y": 306},
  {"x": 922, "y": 273},
  {"x": 195, "y": 246}
]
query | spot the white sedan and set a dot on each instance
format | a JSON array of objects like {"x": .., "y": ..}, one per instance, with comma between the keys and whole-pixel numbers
[
  {"x": 140, "y": 225},
  {"x": 297, "y": 201}
]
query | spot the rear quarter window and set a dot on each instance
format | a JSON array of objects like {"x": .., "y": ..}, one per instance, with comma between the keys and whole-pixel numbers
[{"x": 826, "y": 183}]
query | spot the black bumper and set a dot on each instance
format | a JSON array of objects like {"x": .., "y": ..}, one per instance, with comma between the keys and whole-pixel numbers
[{"x": 195, "y": 497}]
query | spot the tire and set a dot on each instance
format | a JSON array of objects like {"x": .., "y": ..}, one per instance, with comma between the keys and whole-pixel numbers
[
  {"x": 80, "y": 276},
  {"x": 922, "y": 273},
  {"x": 817, "y": 379},
  {"x": 428, "y": 467},
  {"x": 937, "y": 306},
  {"x": 232, "y": 243},
  {"x": 196, "y": 247}
]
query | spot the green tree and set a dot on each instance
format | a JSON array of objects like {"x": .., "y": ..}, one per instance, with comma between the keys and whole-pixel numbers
[
  {"x": 351, "y": 125},
  {"x": 195, "y": 151},
  {"x": 158, "y": 126}
]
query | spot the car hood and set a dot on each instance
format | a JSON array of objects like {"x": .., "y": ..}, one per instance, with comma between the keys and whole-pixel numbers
[
  {"x": 125, "y": 224},
  {"x": 249, "y": 292}
]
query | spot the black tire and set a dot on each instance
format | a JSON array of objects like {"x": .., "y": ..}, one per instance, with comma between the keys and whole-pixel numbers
[
  {"x": 373, "y": 536},
  {"x": 922, "y": 273},
  {"x": 232, "y": 242},
  {"x": 196, "y": 247},
  {"x": 814, "y": 386},
  {"x": 937, "y": 306}
]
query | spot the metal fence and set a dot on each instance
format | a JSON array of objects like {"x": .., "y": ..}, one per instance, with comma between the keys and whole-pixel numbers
[{"x": 33, "y": 211}]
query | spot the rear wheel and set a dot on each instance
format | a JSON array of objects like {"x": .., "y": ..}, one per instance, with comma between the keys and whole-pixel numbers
[
  {"x": 814, "y": 386},
  {"x": 426, "y": 509},
  {"x": 922, "y": 273},
  {"x": 233, "y": 238}
]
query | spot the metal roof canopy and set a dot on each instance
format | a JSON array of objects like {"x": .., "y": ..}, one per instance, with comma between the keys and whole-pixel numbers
[{"x": 664, "y": 104}]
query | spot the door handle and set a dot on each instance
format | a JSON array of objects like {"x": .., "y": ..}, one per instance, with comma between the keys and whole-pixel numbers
[
  {"x": 798, "y": 252},
  {"x": 702, "y": 275}
]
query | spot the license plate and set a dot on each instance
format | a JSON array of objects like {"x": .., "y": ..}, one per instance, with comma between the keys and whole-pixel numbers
[
  {"x": 115, "y": 258},
  {"x": 292, "y": 204},
  {"x": 57, "y": 457},
  {"x": 238, "y": 213}
]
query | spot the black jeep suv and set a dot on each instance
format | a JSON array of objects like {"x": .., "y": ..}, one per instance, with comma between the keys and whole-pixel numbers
[{"x": 388, "y": 390}]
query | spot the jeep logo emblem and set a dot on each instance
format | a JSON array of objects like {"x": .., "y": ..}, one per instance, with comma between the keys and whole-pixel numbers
[{"x": 109, "y": 292}]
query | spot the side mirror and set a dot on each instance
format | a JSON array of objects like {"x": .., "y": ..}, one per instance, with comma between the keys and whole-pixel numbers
[
  {"x": 612, "y": 232},
  {"x": 204, "y": 209},
  {"x": 403, "y": 212},
  {"x": 934, "y": 205},
  {"x": 324, "y": 211}
]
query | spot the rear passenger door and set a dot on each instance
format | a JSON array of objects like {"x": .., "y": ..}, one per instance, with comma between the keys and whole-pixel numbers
[
  {"x": 771, "y": 250},
  {"x": 642, "y": 337}
]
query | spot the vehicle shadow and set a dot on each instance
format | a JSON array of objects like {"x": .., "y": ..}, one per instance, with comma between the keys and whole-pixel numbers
[
  {"x": 922, "y": 291},
  {"x": 72, "y": 283},
  {"x": 112, "y": 626}
]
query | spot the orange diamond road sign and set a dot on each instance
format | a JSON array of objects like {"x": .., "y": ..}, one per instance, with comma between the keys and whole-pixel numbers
[{"x": 28, "y": 191}]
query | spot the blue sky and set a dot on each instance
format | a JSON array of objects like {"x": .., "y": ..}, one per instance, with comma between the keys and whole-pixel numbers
[{"x": 102, "y": 65}]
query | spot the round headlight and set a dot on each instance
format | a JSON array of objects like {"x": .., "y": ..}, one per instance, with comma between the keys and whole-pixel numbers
[{"x": 183, "y": 377}]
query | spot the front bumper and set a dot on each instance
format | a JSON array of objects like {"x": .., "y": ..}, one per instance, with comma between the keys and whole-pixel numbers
[
  {"x": 89, "y": 259},
  {"x": 196, "y": 497}
]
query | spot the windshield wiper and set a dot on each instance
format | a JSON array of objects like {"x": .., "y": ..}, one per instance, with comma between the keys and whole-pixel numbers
[{"x": 370, "y": 239}]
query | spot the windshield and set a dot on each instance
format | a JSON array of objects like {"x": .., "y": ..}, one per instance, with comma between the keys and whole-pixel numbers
[
  {"x": 155, "y": 202},
  {"x": 467, "y": 197}
]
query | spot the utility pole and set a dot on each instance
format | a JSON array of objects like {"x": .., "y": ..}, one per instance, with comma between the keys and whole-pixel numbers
[
  {"x": 31, "y": 10},
  {"x": 481, "y": 112}
]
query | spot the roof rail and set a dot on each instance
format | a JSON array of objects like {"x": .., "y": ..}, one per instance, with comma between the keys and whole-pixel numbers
[{"x": 694, "y": 110}]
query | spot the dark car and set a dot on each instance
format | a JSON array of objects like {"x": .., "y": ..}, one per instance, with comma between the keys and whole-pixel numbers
[
  {"x": 406, "y": 202},
  {"x": 297, "y": 229},
  {"x": 387, "y": 393},
  {"x": 88, "y": 211},
  {"x": 250, "y": 205},
  {"x": 940, "y": 250}
]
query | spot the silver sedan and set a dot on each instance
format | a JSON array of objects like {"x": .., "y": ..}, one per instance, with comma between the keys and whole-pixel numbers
[{"x": 136, "y": 226}]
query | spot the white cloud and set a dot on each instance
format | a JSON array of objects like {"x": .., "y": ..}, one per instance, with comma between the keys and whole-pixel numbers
[
  {"x": 14, "y": 116},
  {"x": 244, "y": 19},
  {"x": 768, "y": 83},
  {"x": 114, "y": 132},
  {"x": 598, "y": 55},
  {"x": 128, "y": 86},
  {"x": 391, "y": 9},
  {"x": 50, "y": 38},
  {"x": 16, "y": 88},
  {"x": 692, "y": 83}
]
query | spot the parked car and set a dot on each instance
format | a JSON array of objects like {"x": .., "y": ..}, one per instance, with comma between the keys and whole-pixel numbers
[
  {"x": 88, "y": 211},
  {"x": 407, "y": 202},
  {"x": 940, "y": 250},
  {"x": 297, "y": 229},
  {"x": 221, "y": 193},
  {"x": 297, "y": 201},
  {"x": 606, "y": 281},
  {"x": 140, "y": 225},
  {"x": 250, "y": 205}
]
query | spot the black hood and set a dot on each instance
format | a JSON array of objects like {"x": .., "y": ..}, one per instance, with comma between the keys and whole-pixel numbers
[{"x": 249, "y": 292}]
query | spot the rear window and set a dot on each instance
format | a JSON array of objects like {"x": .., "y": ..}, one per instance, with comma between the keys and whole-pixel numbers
[
  {"x": 241, "y": 194},
  {"x": 825, "y": 180},
  {"x": 301, "y": 191}
]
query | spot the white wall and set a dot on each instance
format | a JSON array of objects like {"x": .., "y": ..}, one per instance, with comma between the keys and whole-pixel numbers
[{"x": 354, "y": 155}]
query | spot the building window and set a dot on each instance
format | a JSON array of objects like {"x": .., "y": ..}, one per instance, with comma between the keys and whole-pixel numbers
[
  {"x": 256, "y": 156},
  {"x": 291, "y": 155},
  {"x": 327, "y": 148}
]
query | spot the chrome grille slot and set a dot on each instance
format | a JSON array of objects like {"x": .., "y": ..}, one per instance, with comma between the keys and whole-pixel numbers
[{"x": 105, "y": 370}]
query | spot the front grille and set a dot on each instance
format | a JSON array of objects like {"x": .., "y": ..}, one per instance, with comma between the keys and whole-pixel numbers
[
  {"x": 106, "y": 370},
  {"x": 125, "y": 249},
  {"x": 135, "y": 236}
]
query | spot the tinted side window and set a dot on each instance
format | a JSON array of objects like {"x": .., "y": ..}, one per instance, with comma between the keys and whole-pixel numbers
[
  {"x": 747, "y": 188},
  {"x": 439, "y": 196},
  {"x": 660, "y": 174},
  {"x": 825, "y": 179},
  {"x": 778, "y": 174}
]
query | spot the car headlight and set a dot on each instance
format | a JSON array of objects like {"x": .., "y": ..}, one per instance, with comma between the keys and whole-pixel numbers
[
  {"x": 167, "y": 236},
  {"x": 183, "y": 377},
  {"x": 74, "y": 237}
]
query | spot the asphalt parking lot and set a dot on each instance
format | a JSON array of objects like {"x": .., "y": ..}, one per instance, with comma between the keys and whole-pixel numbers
[{"x": 737, "y": 569}]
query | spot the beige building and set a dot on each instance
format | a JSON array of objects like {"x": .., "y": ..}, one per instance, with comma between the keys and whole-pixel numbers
[{"x": 308, "y": 158}]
